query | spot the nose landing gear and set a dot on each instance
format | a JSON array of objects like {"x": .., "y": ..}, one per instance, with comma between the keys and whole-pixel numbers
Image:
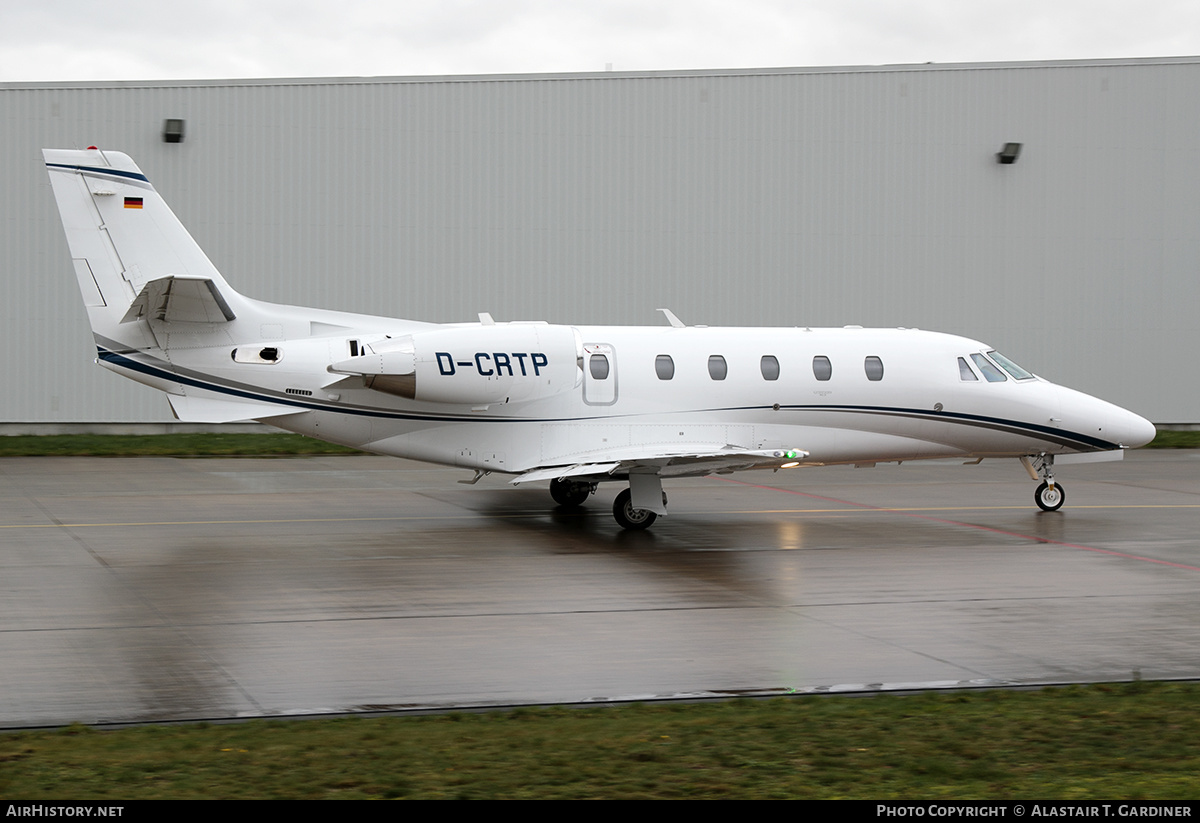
[
  {"x": 1050, "y": 495},
  {"x": 1050, "y": 498}
]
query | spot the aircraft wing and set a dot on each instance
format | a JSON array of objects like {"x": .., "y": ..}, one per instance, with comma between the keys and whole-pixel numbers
[{"x": 678, "y": 461}]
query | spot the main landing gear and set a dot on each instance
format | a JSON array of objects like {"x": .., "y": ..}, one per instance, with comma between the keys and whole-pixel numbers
[
  {"x": 635, "y": 508},
  {"x": 1050, "y": 495},
  {"x": 628, "y": 517},
  {"x": 639, "y": 506},
  {"x": 570, "y": 494}
]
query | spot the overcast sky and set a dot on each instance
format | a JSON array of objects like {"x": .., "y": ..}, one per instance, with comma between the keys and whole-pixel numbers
[{"x": 56, "y": 40}]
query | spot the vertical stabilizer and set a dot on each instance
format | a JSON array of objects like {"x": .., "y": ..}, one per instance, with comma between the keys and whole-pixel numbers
[{"x": 128, "y": 249}]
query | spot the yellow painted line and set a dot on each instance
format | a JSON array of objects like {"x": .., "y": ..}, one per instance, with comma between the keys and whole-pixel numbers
[
  {"x": 864, "y": 508},
  {"x": 230, "y": 522},
  {"x": 850, "y": 509}
]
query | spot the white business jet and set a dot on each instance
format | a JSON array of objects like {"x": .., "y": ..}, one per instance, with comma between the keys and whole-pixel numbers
[{"x": 570, "y": 405}]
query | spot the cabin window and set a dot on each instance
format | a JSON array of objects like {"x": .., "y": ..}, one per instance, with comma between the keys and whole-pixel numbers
[
  {"x": 873, "y": 367},
  {"x": 769, "y": 366},
  {"x": 664, "y": 367},
  {"x": 990, "y": 372},
  {"x": 598, "y": 365},
  {"x": 822, "y": 368},
  {"x": 1009, "y": 366},
  {"x": 964, "y": 371},
  {"x": 717, "y": 369}
]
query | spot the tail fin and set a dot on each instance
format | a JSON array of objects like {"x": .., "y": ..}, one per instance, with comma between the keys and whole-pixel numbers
[{"x": 133, "y": 258}]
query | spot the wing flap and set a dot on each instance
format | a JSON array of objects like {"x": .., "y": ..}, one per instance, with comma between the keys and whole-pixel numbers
[
  {"x": 666, "y": 463},
  {"x": 563, "y": 472}
]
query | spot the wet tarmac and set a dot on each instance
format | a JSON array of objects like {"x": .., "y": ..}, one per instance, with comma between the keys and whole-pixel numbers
[{"x": 162, "y": 589}]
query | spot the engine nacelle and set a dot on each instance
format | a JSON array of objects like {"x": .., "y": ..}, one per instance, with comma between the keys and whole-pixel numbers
[{"x": 472, "y": 365}]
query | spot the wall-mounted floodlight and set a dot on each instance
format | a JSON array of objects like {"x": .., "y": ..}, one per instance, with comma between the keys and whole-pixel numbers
[
  {"x": 173, "y": 130},
  {"x": 1009, "y": 154}
]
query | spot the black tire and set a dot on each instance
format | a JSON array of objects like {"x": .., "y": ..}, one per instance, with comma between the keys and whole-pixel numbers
[
  {"x": 1050, "y": 498},
  {"x": 628, "y": 517},
  {"x": 569, "y": 494}
]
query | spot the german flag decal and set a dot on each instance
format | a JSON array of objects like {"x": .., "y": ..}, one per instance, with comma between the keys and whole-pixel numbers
[{"x": 133, "y": 202}]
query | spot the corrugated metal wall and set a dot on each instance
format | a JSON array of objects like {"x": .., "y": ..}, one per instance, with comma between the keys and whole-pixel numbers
[{"x": 783, "y": 197}]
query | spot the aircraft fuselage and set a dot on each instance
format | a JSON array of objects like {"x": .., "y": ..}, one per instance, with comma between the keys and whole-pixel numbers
[
  {"x": 665, "y": 388},
  {"x": 572, "y": 405}
]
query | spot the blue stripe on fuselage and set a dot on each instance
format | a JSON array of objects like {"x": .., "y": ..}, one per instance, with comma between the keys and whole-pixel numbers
[{"x": 1066, "y": 438}]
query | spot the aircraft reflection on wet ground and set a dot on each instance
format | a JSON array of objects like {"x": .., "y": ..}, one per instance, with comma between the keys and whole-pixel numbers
[{"x": 154, "y": 589}]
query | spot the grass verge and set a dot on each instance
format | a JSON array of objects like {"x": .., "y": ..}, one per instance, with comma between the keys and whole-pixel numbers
[
  {"x": 265, "y": 445},
  {"x": 1175, "y": 440},
  {"x": 213, "y": 444},
  {"x": 1126, "y": 741}
]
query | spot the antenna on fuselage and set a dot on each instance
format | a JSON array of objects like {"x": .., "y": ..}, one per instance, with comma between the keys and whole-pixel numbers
[{"x": 675, "y": 322}]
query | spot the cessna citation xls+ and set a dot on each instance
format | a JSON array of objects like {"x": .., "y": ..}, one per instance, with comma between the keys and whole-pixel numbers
[{"x": 573, "y": 406}]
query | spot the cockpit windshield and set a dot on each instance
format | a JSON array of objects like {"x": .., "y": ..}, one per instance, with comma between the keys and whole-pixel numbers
[
  {"x": 990, "y": 372},
  {"x": 1009, "y": 366}
]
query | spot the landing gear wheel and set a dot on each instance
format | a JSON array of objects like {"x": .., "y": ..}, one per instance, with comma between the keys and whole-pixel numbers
[
  {"x": 628, "y": 517},
  {"x": 1050, "y": 498},
  {"x": 569, "y": 494}
]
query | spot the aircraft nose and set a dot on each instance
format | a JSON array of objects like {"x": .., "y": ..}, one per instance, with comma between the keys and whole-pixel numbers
[
  {"x": 1135, "y": 431},
  {"x": 1121, "y": 426},
  {"x": 1099, "y": 418}
]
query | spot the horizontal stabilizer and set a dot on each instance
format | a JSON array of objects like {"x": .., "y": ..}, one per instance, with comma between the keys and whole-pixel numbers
[
  {"x": 180, "y": 298},
  {"x": 212, "y": 410}
]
